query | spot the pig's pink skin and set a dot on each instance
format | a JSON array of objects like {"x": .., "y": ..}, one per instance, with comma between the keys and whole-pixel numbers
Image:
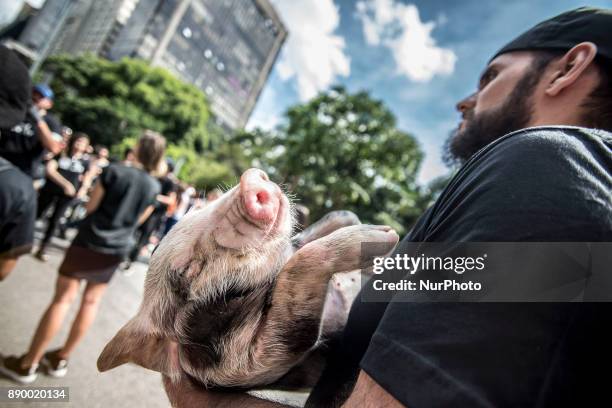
[
  {"x": 257, "y": 212},
  {"x": 261, "y": 198},
  {"x": 246, "y": 217}
]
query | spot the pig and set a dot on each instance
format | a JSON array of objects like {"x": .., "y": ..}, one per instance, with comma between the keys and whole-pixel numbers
[{"x": 231, "y": 299}]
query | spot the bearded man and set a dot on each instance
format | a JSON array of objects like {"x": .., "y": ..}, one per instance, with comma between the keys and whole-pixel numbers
[{"x": 536, "y": 157}]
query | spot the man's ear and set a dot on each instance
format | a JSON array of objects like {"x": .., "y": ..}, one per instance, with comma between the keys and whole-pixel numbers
[
  {"x": 135, "y": 344},
  {"x": 571, "y": 66}
]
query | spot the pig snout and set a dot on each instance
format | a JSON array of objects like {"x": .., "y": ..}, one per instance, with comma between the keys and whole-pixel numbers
[
  {"x": 253, "y": 213},
  {"x": 260, "y": 196}
]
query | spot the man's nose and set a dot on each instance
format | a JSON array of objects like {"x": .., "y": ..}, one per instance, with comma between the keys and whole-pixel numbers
[{"x": 467, "y": 103}]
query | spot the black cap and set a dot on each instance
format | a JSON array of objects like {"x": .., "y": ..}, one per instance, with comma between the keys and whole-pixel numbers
[
  {"x": 15, "y": 89},
  {"x": 566, "y": 30}
]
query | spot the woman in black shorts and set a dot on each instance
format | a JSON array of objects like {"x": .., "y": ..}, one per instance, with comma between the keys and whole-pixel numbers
[{"x": 122, "y": 198}]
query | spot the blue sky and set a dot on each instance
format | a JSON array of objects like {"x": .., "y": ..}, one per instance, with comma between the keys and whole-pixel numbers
[{"x": 419, "y": 57}]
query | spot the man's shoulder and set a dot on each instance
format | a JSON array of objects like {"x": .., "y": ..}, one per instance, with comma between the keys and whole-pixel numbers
[
  {"x": 550, "y": 141},
  {"x": 537, "y": 183},
  {"x": 542, "y": 151}
]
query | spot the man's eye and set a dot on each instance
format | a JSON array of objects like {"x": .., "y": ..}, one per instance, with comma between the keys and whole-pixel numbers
[{"x": 487, "y": 77}]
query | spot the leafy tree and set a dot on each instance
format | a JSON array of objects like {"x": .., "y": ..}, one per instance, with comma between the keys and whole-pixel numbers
[
  {"x": 113, "y": 100},
  {"x": 344, "y": 151},
  {"x": 337, "y": 151}
]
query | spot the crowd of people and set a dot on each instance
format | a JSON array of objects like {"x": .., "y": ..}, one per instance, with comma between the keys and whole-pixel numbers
[{"x": 119, "y": 208}]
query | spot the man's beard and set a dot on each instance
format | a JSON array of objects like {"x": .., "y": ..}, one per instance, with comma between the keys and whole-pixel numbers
[{"x": 489, "y": 126}]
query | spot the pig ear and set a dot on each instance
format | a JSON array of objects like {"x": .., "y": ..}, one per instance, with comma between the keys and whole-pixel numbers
[{"x": 133, "y": 344}]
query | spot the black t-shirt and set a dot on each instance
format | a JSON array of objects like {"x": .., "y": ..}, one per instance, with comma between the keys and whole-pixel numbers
[
  {"x": 17, "y": 211},
  {"x": 53, "y": 122},
  {"x": 21, "y": 146},
  {"x": 547, "y": 184},
  {"x": 72, "y": 169},
  {"x": 128, "y": 192}
]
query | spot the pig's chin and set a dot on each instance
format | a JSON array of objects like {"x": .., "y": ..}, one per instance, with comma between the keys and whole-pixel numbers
[{"x": 236, "y": 231}]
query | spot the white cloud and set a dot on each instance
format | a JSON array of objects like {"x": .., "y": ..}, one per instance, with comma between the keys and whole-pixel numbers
[
  {"x": 398, "y": 27},
  {"x": 312, "y": 54}
]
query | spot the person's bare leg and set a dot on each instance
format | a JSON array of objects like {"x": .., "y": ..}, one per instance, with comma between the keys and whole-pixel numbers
[
  {"x": 7, "y": 264},
  {"x": 66, "y": 290},
  {"x": 85, "y": 317}
]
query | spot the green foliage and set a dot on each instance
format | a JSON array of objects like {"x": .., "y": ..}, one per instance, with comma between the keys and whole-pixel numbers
[
  {"x": 344, "y": 151},
  {"x": 207, "y": 170},
  {"x": 337, "y": 151},
  {"x": 114, "y": 100}
]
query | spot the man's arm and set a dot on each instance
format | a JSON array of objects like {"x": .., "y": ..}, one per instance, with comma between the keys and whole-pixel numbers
[
  {"x": 46, "y": 137},
  {"x": 186, "y": 395},
  {"x": 367, "y": 393}
]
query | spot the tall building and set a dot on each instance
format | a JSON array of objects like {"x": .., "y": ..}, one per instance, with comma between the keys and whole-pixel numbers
[
  {"x": 82, "y": 25},
  {"x": 225, "y": 47}
]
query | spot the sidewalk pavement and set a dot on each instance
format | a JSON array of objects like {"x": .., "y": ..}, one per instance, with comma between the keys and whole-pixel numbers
[{"x": 26, "y": 293}]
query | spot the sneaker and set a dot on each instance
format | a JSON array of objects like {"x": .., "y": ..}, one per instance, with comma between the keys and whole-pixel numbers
[
  {"x": 11, "y": 367},
  {"x": 55, "y": 366},
  {"x": 41, "y": 256}
]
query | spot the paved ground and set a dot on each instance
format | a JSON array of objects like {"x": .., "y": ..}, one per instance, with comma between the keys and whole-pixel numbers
[{"x": 24, "y": 296}]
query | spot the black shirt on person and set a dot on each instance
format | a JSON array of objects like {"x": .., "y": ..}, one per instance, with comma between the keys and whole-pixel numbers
[
  {"x": 17, "y": 211},
  {"x": 167, "y": 186},
  {"x": 21, "y": 146},
  {"x": 53, "y": 122},
  {"x": 128, "y": 192},
  {"x": 70, "y": 168},
  {"x": 547, "y": 184}
]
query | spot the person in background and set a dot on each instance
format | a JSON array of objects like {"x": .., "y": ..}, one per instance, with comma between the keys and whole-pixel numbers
[
  {"x": 17, "y": 194},
  {"x": 42, "y": 99},
  {"x": 152, "y": 224},
  {"x": 101, "y": 157},
  {"x": 184, "y": 194},
  {"x": 129, "y": 157},
  {"x": 69, "y": 177},
  {"x": 213, "y": 194},
  {"x": 122, "y": 197},
  {"x": 24, "y": 143},
  {"x": 75, "y": 209}
]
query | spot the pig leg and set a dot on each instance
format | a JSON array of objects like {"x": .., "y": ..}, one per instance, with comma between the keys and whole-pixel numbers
[
  {"x": 342, "y": 290},
  {"x": 325, "y": 226},
  {"x": 291, "y": 326}
]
